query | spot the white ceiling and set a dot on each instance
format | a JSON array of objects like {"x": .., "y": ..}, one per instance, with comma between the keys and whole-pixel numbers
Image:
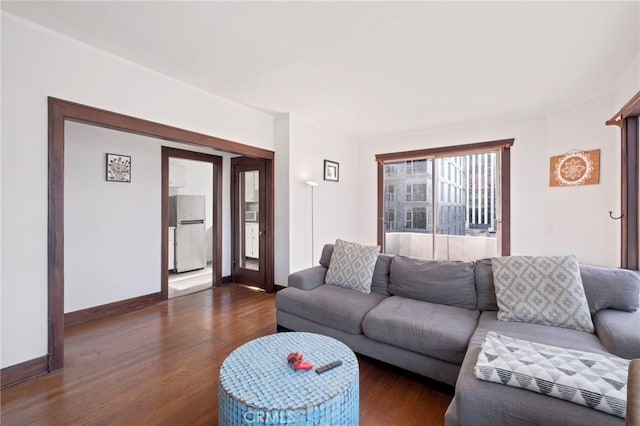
[{"x": 368, "y": 69}]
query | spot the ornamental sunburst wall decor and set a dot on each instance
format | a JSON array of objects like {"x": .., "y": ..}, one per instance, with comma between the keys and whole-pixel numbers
[{"x": 575, "y": 168}]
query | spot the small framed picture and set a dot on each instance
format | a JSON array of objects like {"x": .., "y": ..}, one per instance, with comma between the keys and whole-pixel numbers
[
  {"x": 331, "y": 171},
  {"x": 118, "y": 168}
]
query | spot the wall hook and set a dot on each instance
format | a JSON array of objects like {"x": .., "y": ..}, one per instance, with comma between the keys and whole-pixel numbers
[{"x": 614, "y": 218}]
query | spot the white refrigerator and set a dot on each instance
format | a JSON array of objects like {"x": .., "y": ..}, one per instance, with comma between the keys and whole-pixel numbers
[{"x": 187, "y": 215}]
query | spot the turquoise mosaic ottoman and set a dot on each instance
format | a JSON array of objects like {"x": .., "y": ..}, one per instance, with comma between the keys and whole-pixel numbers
[{"x": 258, "y": 387}]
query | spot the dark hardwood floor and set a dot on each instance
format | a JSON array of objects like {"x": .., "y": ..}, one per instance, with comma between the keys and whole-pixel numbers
[{"x": 159, "y": 365}]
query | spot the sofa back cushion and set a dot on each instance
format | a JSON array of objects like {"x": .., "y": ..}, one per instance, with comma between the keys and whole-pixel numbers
[
  {"x": 325, "y": 257},
  {"x": 485, "y": 288},
  {"x": 610, "y": 288},
  {"x": 380, "y": 280},
  {"x": 605, "y": 288},
  {"x": 442, "y": 282}
]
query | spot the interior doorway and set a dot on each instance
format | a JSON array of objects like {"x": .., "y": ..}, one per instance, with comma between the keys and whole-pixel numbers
[
  {"x": 61, "y": 111},
  {"x": 248, "y": 207},
  {"x": 191, "y": 208}
]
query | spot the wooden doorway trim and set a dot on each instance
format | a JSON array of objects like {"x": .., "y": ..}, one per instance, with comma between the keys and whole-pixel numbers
[
  {"x": 61, "y": 110},
  {"x": 216, "y": 162},
  {"x": 266, "y": 225}
]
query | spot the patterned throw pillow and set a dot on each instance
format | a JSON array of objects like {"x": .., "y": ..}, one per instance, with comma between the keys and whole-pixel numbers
[
  {"x": 544, "y": 290},
  {"x": 352, "y": 265}
]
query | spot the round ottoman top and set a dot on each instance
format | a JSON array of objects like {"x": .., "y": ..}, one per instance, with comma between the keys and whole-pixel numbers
[{"x": 258, "y": 374}]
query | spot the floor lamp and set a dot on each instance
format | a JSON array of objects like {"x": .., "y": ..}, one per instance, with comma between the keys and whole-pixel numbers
[{"x": 312, "y": 184}]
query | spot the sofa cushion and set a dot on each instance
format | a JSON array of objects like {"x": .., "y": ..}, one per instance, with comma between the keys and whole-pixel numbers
[
  {"x": 329, "y": 305},
  {"x": 325, "y": 257},
  {"x": 610, "y": 288},
  {"x": 485, "y": 288},
  {"x": 352, "y": 265},
  {"x": 545, "y": 334},
  {"x": 444, "y": 283},
  {"x": 380, "y": 280},
  {"x": 541, "y": 289},
  {"x": 438, "y": 331}
]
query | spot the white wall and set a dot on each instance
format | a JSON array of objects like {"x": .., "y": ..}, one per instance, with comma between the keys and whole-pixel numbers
[
  {"x": 544, "y": 220},
  {"x": 627, "y": 86},
  {"x": 112, "y": 229},
  {"x": 281, "y": 195},
  {"x": 35, "y": 64},
  {"x": 335, "y": 203},
  {"x": 577, "y": 219}
]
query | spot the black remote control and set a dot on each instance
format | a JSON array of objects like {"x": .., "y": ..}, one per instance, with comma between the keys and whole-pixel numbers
[{"x": 328, "y": 367}]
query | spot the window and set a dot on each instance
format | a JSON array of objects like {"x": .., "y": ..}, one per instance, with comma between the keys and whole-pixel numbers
[
  {"x": 416, "y": 218},
  {"x": 390, "y": 169},
  {"x": 628, "y": 119},
  {"x": 416, "y": 192},
  {"x": 416, "y": 167},
  {"x": 391, "y": 193},
  {"x": 467, "y": 202},
  {"x": 390, "y": 219}
]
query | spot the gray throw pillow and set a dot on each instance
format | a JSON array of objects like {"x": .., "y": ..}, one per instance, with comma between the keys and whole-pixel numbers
[
  {"x": 544, "y": 290},
  {"x": 352, "y": 265}
]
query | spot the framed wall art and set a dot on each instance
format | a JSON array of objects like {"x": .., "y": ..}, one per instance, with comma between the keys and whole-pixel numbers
[
  {"x": 118, "y": 168},
  {"x": 575, "y": 168},
  {"x": 331, "y": 171}
]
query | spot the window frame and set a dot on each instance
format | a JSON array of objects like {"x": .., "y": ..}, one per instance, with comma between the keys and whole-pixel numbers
[
  {"x": 628, "y": 119},
  {"x": 503, "y": 145}
]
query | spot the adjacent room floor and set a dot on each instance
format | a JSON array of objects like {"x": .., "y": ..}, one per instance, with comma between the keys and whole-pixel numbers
[
  {"x": 160, "y": 364},
  {"x": 189, "y": 282}
]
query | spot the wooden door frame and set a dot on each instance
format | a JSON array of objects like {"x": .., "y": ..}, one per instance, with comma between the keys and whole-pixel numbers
[
  {"x": 216, "y": 163},
  {"x": 269, "y": 203},
  {"x": 59, "y": 111}
]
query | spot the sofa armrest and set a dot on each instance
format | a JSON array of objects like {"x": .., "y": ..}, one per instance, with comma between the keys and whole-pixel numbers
[
  {"x": 308, "y": 279},
  {"x": 619, "y": 332}
]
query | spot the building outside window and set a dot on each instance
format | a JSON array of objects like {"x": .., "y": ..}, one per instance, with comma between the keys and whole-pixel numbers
[
  {"x": 415, "y": 167},
  {"x": 416, "y": 219},
  {"x": 465, "y": 194},
  {"x": 416, "y": 192},
  {"x": 390, "y": 192}
]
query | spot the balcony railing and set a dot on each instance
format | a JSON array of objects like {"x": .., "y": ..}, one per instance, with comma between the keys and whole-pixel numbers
[{"x": 447, "y": 247}]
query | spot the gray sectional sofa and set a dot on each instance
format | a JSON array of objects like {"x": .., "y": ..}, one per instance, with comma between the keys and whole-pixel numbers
[{"x": 431, "y": 317}]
